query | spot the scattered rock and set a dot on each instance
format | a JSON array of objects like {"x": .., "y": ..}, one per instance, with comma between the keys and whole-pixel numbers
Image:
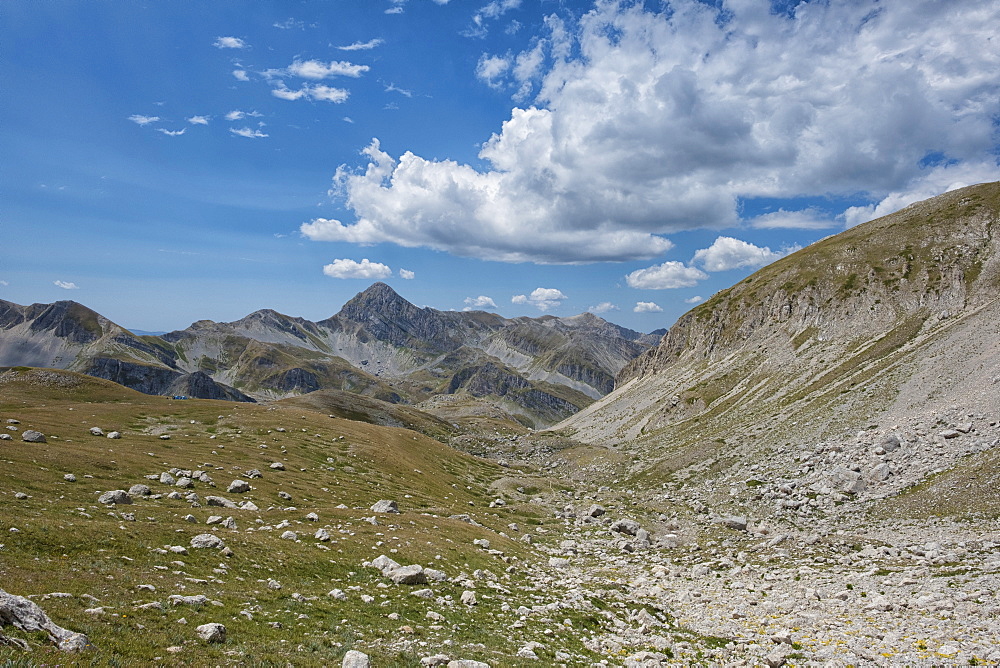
[
  {"x": 212, "y": 632},
  {"x": 115, "y": 497},
  {"x": 206, "y": 540},
  {"x": 32, "y": 436},
  {"x": 355, "y": 659},
  {"x": 238, "y": 487},
  {"x": 385, "y": 506}
]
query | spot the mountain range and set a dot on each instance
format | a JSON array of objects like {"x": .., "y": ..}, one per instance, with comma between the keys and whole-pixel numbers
[{"x": 380, "y": 346}]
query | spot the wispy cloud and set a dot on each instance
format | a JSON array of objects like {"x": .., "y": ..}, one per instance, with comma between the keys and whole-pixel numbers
[
  {"x": 345, "y": 268},
  {"x": 407, "y": 274},
  {"x": 362, "y": 46},
  {"x": 172, "y": 133},
  {"x": 316, "y": 92},
  {"x": 397, "y": 7},
  {"x": 290, "y": 23},
  {"x": 229, "y": 43},
  {"x": 241, "y": 75},
  {"x": 318, "y": 70},
  {"x": 66, "y": 285},
  {"x": 4, "y": 284},
  {"x": 198, "y": 120},
  {"x": 694, "y": 300},
  {"x": 143, "y": 120},
  {"x": 248, "y": 132},
  {"x": 237, "y": 115},
  {"x": 392, "y": 88}
]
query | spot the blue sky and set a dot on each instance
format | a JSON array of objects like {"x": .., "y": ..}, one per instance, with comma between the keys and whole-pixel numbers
[{"x": 165, "y": 162}]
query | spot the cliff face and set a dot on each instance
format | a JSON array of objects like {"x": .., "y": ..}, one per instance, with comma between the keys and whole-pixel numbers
[{"x": 827, "y": 316}]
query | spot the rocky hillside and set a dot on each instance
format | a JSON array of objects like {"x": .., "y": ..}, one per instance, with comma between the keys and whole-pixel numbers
[
  {"x": 536, "y": 370},
  {"x": 847, "y": 321}
]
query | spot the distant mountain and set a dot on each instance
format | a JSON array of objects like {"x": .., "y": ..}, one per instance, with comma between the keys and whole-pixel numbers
[{"x": 539, "y": 370}]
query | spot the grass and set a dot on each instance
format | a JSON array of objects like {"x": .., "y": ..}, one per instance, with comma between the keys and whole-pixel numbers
[{"x": 66, "y": 542}]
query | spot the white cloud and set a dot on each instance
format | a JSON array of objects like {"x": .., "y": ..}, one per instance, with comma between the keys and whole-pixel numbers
[
  {"x": 647, "y": 307},
  {"x": 544, "y": 299},
  {"x": 804, "y": 219},
  {"x": 350, "y": 269},
  {"x": 603, "y": 307},
  {"x": 480, "y": 302},
  {"x": 491, "y": 69},
  {"x": 490, "y": 11},
  {"x": 172, "y": 133},
  {"x": 237, "y": 115},
  {"x": 4, "y": 284},
  {"x": 644, "y": 124},
  {"x": 940, "y": 180},
  {"x": 229, "y": 43},
  {"x": 290, "y": 23},
  {"x": 317, "y": 70},
  {"x": 241, "y": 75},
  {"x": 694, "y": 300},
  {"x": 728, "y": 253},
  {"x": 65, "y": 285},
  {"x": 362, "y": 46},
  {"x": 143, "y": 120},
  {"x": 393, "y": 88},
  {"x": 407, "y": 274},
  {"x": 198, "y": 120},
  {"x": 315, "y": 92},
  {"x": 665, "y": 276},
  {"x": 248, "y": 133}
]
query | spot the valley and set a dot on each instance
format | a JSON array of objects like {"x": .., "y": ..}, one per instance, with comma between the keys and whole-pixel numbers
[{"x": 802, "y": 472}]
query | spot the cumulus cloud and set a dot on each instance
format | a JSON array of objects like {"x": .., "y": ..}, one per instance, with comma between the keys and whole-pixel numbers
[
  {"x": 478, "y": 303},
  {"x": 198, "y": 120},
  {"x": 143, "y": 120},
  {"x": 603, "y": 307},
  {"x": 488, "y": 12},
  {"x": 694, "y": 300},
  {"x": 728, "y": 253},
  {"x": 241, "y": 75},
  {"x": 544, "y": 299},
  {"x": 345, "y": 268},
  {"x": 249, "y": 133},
  {"x": 407, "y": 274},
  {"x": 229, "y": 43},
  {"x": 644, "y": 123},
  {"x": 66, "y": 285},
  {"x": 362, "y": 46},
  {"x": 671, "y": 274},
  {"x": 647, "y": 307}
]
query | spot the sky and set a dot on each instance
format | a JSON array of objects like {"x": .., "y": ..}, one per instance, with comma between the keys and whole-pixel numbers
[{"x": 164, "y": 162}]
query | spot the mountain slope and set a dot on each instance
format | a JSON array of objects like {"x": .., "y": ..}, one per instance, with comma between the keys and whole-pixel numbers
[{"x": 816, "y": 325}]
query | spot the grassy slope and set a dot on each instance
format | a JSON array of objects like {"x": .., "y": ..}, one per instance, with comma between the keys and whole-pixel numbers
[{"x": 67, "y": 542}]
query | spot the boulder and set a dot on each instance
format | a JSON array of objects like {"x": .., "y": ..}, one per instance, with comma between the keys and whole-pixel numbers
[
  {"x": 139, "y": 490},
  {"x": 32, "y": 436},
  {"x": 114, "y": 434},
  {"x": 408, "y": 575},
  {"x": 25, "y": 615},
  {"x": 238, "y": 487},
  {"x": 734, "y": 522},
  {"x": 355, "y": 659},
  {"x": 206, "y": 540},
  {"x": 385, "y": 506},
  {"x": 212, "y": 632},
  {"x": 627, "y": 527},
  {"x": 97, "y": 431},
  {"x": 220, "y": 501},
  {"x": 116, "y": 497}
]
